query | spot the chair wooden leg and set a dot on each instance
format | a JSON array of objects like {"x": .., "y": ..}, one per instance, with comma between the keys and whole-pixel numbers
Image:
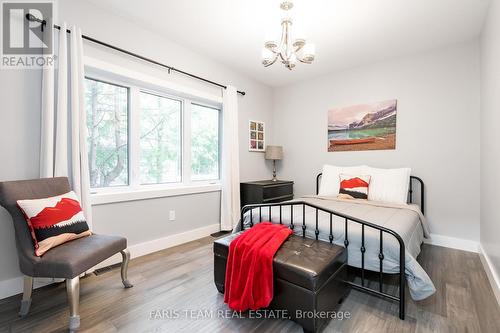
[
  {"x": 125, "y": 260},
  {"x": 73, "y": 290},
  {"x": 26, "y": 301}
]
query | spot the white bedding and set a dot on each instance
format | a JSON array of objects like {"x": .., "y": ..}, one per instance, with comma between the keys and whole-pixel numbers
[{"x": 405, "y": 220}]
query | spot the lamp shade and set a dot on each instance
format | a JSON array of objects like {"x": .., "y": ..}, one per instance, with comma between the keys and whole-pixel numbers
[{"x": 274, "y": 153}]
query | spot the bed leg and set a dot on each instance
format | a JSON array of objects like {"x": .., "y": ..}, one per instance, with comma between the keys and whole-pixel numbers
[
  {"x": 402, "y": 298},
  {"x": 401, "y": 310},
  {"x": 402, "y": 280}
]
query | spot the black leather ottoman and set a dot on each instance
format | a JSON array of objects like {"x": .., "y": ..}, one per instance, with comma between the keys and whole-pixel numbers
[{"x": 308, "y": 278}]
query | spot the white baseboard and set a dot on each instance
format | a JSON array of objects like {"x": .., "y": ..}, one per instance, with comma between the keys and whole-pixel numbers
[
  {"x": 490, "y": 272},
  {"x": 14, "y": 286},
  {"x": 454, "y": 243}
]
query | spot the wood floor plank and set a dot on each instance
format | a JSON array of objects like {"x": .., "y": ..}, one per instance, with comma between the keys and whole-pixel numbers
[
  {"x": 484, "y": 301},
  {"x": 180, "y": 280}
]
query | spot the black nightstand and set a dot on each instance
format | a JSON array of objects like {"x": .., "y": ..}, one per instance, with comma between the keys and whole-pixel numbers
[{"x": 265, "y": 191}]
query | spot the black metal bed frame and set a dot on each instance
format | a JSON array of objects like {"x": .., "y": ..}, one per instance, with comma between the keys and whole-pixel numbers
[{"x": 361, "y": 287}]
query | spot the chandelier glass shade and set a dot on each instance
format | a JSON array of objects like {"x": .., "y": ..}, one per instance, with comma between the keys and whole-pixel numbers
[{"x": 289, "y": 51}]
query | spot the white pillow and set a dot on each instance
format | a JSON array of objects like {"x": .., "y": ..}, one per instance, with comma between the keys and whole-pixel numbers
[
  {"x": 330, "y": 180},
  {"x": 389, "y": 185}
]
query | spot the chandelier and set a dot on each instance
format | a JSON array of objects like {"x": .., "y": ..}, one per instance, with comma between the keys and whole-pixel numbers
[{"x": 289, "y": 51}]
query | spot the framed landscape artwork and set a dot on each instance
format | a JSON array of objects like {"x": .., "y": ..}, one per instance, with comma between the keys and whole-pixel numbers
[
  {"x": 256, "y": 136},
  {"x": 363, "y": 127}
]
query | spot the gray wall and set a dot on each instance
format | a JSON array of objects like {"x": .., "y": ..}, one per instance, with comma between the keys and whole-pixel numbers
[
  {"x": 19, "y": 142},
  {"x": 139, "y": 221},
  {"x": 490, "y": 135},
  {"x": 437, "y": 129},
  {"x": 144, "y": 220}
]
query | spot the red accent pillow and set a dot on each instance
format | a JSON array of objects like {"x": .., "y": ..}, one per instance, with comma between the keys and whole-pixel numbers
[
  {"x": 354, "y": 187},
  {"x": 54, "y": 221}
]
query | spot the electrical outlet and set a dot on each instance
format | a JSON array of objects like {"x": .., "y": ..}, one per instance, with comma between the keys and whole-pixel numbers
[{"x": 171, "y": 215}]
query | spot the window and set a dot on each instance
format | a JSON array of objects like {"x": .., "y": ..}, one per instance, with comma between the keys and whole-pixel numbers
[
  {"x": 107, "y": 124},
  {"x": 139, "y": 139},
  {"x": 204, "y": 143},
  {"x": 160, "y": 139}
]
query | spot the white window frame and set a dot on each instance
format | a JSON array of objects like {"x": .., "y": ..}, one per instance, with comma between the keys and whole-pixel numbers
[{"x": 136, "y": 83}]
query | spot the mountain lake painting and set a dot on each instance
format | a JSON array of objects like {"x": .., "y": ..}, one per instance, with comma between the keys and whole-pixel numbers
[{"x": 363, "y": 127}]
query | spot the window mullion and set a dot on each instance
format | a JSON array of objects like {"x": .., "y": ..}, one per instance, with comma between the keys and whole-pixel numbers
[
  {"x": 186, "y": 143},
  {"x": 135, "y": 137}
]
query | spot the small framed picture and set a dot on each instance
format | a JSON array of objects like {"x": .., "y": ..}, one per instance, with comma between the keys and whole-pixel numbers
[{"x": 256, "y": 136}]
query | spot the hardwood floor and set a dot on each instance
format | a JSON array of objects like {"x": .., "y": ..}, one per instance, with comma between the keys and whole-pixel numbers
[{"x": 179, "y": 280}]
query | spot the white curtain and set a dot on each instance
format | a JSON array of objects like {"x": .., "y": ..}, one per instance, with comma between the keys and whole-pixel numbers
[
  {"x": 63, "y": 150},
  {"x": 230, "y": 176}
]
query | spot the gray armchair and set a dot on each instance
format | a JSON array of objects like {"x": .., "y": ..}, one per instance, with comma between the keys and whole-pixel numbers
[{"x": 67, "y": 261}]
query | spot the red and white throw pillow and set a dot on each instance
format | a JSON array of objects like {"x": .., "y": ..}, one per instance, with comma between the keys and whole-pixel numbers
[
  {"x": 54, "y": 221},
  {"x": 353, "y": 187}
]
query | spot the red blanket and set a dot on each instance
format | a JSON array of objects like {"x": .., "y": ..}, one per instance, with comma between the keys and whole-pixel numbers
[{"x": 249, "y": 271}]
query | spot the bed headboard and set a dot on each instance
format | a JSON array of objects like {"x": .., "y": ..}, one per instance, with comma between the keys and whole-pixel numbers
[{"x": 413, "y": 179}]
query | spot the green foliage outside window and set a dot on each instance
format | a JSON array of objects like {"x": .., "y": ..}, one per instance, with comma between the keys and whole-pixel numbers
[{"x": 106, "y": 107}]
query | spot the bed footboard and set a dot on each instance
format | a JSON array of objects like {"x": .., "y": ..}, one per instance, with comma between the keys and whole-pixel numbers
[{"x": 383, "y": 232}]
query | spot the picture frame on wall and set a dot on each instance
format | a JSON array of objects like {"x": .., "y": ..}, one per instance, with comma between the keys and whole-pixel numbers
[
  {"x": 369, "y": 126},
  {"x": 256, "y": 136}
]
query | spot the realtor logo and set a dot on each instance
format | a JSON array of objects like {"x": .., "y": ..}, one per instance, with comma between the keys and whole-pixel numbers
[{"x": 24, "y": 43}]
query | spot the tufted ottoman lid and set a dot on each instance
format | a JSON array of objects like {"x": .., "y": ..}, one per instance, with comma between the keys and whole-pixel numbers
[{"x": 305, "y": 262}]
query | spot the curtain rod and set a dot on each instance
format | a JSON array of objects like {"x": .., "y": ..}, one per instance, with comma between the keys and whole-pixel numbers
[{"x": 31, "y": 17}]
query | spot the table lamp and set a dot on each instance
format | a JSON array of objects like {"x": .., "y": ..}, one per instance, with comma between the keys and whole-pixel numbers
[{"x": 274, "y": 153}]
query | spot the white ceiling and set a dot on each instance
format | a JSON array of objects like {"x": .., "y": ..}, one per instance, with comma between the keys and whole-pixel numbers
[{"x": 347, "y": 33}]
